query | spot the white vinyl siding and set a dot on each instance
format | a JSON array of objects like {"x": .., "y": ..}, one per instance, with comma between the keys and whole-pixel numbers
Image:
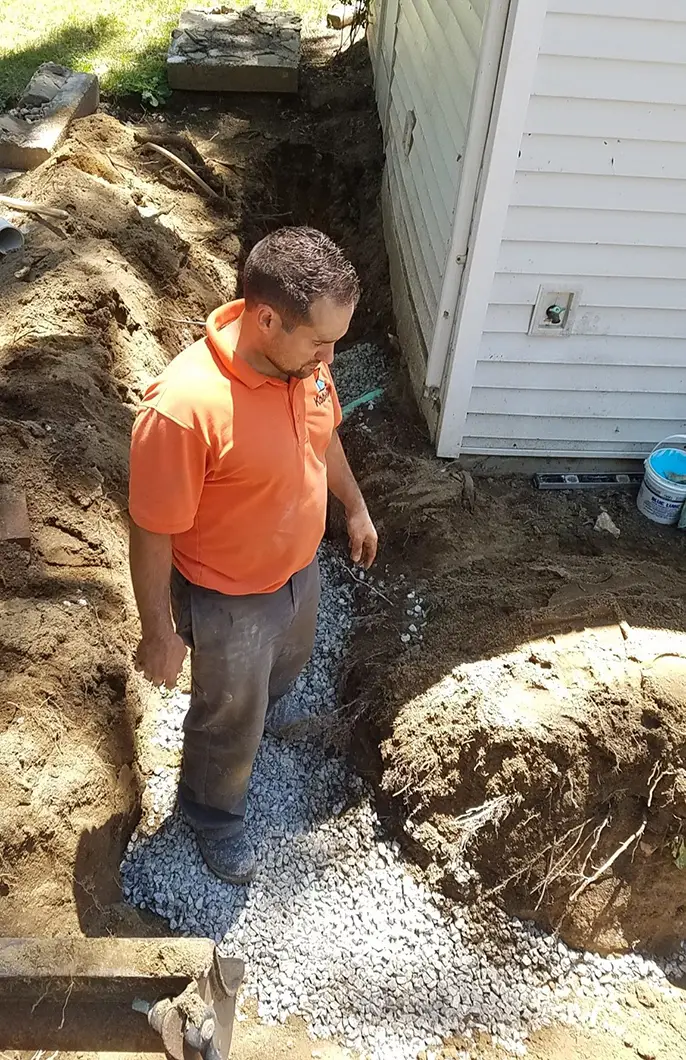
[
  {"x": 598, "y": 201},
  {"x": 425, "y": 55},
  {"x": 383, "y": 16}
]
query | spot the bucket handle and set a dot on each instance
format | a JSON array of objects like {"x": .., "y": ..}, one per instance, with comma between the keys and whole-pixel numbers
[{"x": 675, "y": 441}]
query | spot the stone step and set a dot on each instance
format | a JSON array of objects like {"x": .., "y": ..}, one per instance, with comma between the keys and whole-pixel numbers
[{"x": 231, "y": 51}]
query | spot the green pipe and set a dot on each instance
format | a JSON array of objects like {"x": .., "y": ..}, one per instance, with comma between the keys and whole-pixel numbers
[{"x": 371, "y": 395}]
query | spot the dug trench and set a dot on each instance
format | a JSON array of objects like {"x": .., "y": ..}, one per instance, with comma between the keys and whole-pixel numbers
[
  {"x": 516, "y": 741},
  {"x": 92, "y": 310}
]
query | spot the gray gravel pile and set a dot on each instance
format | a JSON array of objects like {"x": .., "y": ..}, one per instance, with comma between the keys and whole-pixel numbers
[
  {"x": 358, "y": 370},
  {"x": 334, "y": 927},
  {"x": 170, "y": 721},
  {"x": 29, "y": 114}
]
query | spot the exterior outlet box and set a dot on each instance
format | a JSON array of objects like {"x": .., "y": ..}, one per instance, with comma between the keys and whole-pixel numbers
[{"x": 555, "y": 311}]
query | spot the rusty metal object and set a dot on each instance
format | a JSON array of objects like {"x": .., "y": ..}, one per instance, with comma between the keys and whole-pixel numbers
[
  {"x": 199, "y": 1022},
  {"x": 186, "y": 990}
]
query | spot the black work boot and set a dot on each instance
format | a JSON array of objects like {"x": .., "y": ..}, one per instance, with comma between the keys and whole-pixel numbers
[{"x": 231, "y": 859}]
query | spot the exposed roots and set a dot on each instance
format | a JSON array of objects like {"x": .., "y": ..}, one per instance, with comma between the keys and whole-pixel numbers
[
  {"x": 474, "y": 819},
  {"x": 609, "y": 863},
  {"x": 596, "y": 839},
  {"x": 558, "y": 866}
]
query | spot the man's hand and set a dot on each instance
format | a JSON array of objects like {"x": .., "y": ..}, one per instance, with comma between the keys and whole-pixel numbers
[
  {"x": 161, "y": 651},
  {"x": 160, "y": 658},
  {"x": 364, "y": 539}
]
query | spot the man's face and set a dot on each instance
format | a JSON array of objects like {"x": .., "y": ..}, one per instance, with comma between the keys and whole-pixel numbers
[{"x": 299, "y": 352}]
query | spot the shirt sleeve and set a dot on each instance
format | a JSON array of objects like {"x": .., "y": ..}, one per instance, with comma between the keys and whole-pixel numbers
[{"x": 167, "y": 473}]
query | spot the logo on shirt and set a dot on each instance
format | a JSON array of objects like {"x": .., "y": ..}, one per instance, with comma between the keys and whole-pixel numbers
[{"x": 323, "y": 390}]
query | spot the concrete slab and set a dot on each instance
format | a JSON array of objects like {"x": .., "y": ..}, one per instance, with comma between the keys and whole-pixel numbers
[
  {"x": 235, "y": 51},
  {"x": 47, "y": 81},
  {"x": 343, "y": 15},
  {"x": 80, "y": 95},
  {"x": 25, "y": 143}
]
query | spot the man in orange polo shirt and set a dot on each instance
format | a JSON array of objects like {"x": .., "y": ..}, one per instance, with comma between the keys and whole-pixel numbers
[{"x": 232, "y": 454}]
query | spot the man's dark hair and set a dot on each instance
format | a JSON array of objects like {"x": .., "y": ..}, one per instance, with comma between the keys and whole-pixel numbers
[{"x": 291, "y": 268}]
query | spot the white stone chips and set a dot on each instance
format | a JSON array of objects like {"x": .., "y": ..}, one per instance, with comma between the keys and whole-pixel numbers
[{"x": 335, "y": 928}]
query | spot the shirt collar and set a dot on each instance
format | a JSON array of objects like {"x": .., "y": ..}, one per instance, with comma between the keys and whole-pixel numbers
[{"x": 218, "y": 319}]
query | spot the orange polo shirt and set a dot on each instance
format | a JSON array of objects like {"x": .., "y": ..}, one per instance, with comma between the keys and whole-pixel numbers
[{"x": 232, "y": 464}]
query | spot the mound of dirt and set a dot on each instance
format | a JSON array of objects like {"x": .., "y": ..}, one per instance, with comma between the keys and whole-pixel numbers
[
  {"x": 85, "y": 324},
  {"x": 533, "y": 746}
]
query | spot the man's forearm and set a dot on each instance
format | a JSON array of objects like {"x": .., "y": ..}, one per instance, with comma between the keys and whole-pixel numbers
[
  {"x": 340, "y": 477},
  {"x": 361, "y": 532},
  {"x": 150, "y": 556}
]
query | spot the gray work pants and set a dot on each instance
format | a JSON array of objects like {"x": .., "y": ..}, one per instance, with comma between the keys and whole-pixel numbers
[{"x": 246, "y": 652}]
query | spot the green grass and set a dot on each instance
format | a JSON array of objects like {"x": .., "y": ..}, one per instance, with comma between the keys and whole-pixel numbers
[{"x": 124, "y": 42}]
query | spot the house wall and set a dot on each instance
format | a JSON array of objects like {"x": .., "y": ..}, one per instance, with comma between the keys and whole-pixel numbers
[
  {"x": 598, "y": 200},
  {"x": 425, "y": 55},
  {"x": 381, "y": 30}
]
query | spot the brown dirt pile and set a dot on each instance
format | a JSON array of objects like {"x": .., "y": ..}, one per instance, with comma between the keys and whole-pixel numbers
[
  {"x": 541, "y": 723},
  {"x": 80, "y": 335}
]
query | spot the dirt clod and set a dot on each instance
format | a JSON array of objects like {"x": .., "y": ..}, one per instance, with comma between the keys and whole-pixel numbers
[{"x": 645, "y": 995}]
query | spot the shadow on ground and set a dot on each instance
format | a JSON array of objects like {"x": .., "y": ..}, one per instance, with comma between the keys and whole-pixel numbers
[
  {"x": 101, "y": 45},
  {"x": 67, "y": 44}
]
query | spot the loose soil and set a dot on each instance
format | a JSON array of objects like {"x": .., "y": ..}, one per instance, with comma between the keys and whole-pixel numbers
[
  {"x": 657, "y": 1031},
  {"x": 93, "y": 309},
  {"x": 649, "y": 1025},
  {"x": 540, "y": 724}
]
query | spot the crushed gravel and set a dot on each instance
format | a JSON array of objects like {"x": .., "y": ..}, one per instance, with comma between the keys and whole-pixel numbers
[
  {"x": 335, "y": 927},
  {"x": 359, "y": 370}
]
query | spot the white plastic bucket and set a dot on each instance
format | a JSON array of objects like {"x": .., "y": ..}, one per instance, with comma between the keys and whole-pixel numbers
[{"x": 661, "y": 497}]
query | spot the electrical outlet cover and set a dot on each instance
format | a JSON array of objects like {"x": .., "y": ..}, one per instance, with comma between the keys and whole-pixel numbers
[{"x": 549, "y": 295}]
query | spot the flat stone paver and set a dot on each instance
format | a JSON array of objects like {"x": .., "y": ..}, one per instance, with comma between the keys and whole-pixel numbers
[{"x": 235, "y": 51}]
